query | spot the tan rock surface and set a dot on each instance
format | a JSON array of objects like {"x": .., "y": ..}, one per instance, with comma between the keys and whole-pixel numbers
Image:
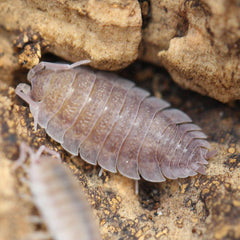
[
  {"x": 79, "y": 30},
  {"x": 8, "y": 58},
  {"x": 201, "y": 207},
  {"x": 198, "y": 42}
]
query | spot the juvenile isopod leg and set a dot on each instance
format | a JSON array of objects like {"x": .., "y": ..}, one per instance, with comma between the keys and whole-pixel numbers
[
  {"x": 26, "y": 197},
  {"x": 42, "y": 149},
  {"x": 39, "y": 235},
  {"x": 24, "y": 149},
  {"x": 35, "y": 219},
  {"x": 23, "y": 179},
  {"x": 59, "y": 66}
]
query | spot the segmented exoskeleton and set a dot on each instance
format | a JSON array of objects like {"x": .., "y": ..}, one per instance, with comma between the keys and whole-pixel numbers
[{"x": 113, "y": 123}]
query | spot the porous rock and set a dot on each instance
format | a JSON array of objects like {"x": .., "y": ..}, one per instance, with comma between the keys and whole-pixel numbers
[
  {"x": 107, "y": 32},
  {"x": 198, "y": 42}
]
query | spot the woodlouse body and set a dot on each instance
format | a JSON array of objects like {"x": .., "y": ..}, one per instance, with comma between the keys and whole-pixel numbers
[
  {"x": 58, "y": 197},
  {"x": 111, "y": 122}
]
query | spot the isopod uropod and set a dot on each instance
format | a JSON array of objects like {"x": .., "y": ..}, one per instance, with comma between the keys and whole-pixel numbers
[
  {"x": 113, "y": 123},
  {"x": 59, "y": 199}
]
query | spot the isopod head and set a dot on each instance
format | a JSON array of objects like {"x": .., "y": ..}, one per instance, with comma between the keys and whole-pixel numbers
[
  {"x": 43, "y": 78},
  {"x": 42, "y": 74},
  {"x": 39, "y": 78}
]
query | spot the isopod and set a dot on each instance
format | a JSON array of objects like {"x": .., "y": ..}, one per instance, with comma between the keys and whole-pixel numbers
[
  {"x": 59, "y": 199},
  {"x": 111, "y": 122}
]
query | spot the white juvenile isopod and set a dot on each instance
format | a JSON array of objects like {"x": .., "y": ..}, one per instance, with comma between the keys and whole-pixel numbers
[{"x": 59, "y": 199}]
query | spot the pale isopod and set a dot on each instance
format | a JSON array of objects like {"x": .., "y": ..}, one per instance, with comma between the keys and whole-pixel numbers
[
  {"x": 112, "y": 123},
  {"x": 59, "y": 199}
]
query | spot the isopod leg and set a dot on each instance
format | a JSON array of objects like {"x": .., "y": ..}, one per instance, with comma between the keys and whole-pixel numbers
[
  {"x": 136, "y": 187},
  {"x": 100, "y": 172},
  {"x": 60, "y": 66}
]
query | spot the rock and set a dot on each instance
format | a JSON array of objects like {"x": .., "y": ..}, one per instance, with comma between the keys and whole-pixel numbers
[
  {"x": 200, "y": 207},
  {"x": 198, "y": 42},
  {"x": 107, "y": 32}
]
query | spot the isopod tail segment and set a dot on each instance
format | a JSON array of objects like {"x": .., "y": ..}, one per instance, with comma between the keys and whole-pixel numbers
[
  {"x": 34, "y": 157},
  {"x": 23, "y": 90}
]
